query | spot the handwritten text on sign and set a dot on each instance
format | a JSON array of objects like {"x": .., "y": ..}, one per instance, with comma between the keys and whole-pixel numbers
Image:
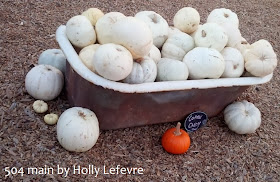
[{"x": 195, "y": 121}]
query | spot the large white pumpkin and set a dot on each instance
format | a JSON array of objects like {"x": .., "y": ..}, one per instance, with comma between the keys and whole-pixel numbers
[
  {"x": 133, "y": 34},
  {"x": 234, "y": 63},
  {"x": 223, "y": 15},
  {"x": 157, "y": 24},
  {"x": 177, "y": 45},
  {"x": 104, "y": 25},
  {"x": 53, "y": 57},
  {"x": 242, "y": 117},
  {"x": 211, "y": 35},
  {"x": 112, "y": 61},
  {"x": 260, "y": 58},
  {"x": 77, "y": 129},
  {"x": 44, "y": 82},
  {"x": 80, "y": 32},
  {"x": 144, "y": 70},
  {"x": 187, "y": 20},
  {"x": 171, "y": 70},
  {"x": 204, "y": 62}
]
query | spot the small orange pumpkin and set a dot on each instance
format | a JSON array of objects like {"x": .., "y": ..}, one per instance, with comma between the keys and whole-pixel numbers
[{"x": 176, "y": 140}]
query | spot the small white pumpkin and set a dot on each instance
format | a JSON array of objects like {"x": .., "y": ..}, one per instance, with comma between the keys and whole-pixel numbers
[
  {"x": 104, "y": 25},
  {"x": 93, "y": 14},
  {"x": 223, "y": 15},
  {"x": 154, "y": 54},
  {"x": 53, "y": 57},
  {"x": 40, "y": 106},
  {"x": 172, "y": 30},
  {"x": 211, "y": 35},
  {"x": 157, "y": 24},
  {"x": 44, "y": 82},
  {"x": 260, "y": 59},
  {"x": 80, "y": 32},
  {"x": 242, "y": 117},
  {"x": 77, "y": 129},
  {"x": 204, "y": 62},
  {"x": 234, "y": 63},
  {"x": 51, "y": 118},
  {"x": 177, "y": 46},
  {"x": 112, "y": 61},
  {"x": 187, "y": 20},
  {"x": 233, "y": 34},
  {"x": 243, "y": 46},
  {"x": 86, "y": 56},
  {"x": 171, "y": 70},
  {"x": 144, "y": 70},
  {"x": 133, "y": 34}
]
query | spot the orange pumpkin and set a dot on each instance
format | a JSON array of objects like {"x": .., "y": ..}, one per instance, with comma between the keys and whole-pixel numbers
[{"x": 176, "y": 140}]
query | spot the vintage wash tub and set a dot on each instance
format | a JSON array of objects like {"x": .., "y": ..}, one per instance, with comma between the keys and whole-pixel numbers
[{"x": 121, "y": 105}]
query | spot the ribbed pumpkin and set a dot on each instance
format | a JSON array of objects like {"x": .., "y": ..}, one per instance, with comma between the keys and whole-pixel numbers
[{"x": 176, "y": 140}]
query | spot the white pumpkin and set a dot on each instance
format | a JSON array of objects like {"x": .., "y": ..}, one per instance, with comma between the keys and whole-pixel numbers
[
  {"x": 177, "y": 46},
  {"x": 204, "y": 62},
  {"x": 80, "y": 32},
  {"x": 112, "y": 61},
  {"x": 86, "y": 56},
  {"x": 77, "y": 129},
  {"x": 53, "y": 57},
  {"x": 234, "y": 63},
  {"x": 51, "y": 118},
  {"x": 154, "y": 54},
  {"x": 211, "y": 35},
  {"x": 242, "y": 117},
  {"x": 133, "y": 34},
  {"x": 93, "y": 14},
  {"x": 144, "y": 70},
  {"x": 260, "y": 59},
  {"x": 172, "y": 30},
  {"x": 193, "y": 34},
  {"x": 40, "y": 106},
  {"x": 243, "y": 46},
  {"x": 233, "y": 34},
  {"x": 157, "y": 24},
  {"x": 223, "y": 15},
  {"x": 44, "y": 82},
  {"x": 104, "y": 25},
  {"x": 171, "y": 70},
  {"x": 187, "y": 20}
]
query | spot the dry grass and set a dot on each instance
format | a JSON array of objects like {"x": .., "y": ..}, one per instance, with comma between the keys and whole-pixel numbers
[{"x": 216, "y": 154}]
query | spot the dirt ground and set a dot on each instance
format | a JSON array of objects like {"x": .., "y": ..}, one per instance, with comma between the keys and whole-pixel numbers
[{"x": 216, "y": 154}]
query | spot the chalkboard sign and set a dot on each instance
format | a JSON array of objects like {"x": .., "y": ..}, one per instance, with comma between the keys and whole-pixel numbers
[{"x": 195, "y": 120}]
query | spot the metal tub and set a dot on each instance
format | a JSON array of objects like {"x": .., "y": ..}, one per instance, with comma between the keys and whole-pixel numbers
[{"x": 121, "y": 105}]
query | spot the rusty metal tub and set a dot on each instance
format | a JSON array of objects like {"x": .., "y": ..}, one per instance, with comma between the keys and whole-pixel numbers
[{"x": 121, "y": 105}]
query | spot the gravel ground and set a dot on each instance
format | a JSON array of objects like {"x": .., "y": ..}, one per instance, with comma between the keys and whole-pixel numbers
[{"x": 216, "y": 154}]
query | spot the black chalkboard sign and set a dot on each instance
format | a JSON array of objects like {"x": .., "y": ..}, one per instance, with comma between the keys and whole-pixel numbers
[{"x": 195, "y": 120}]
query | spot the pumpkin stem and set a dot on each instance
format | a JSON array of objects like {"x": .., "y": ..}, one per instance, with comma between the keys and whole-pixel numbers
[
  {"x": 203, "y": 33},
  {"x": 177, "y": 131},
  {"x": 82, "y": 115}
]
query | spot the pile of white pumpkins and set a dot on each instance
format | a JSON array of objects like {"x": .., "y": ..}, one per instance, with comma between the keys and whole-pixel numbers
[{"x": 144, "y": 48}]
